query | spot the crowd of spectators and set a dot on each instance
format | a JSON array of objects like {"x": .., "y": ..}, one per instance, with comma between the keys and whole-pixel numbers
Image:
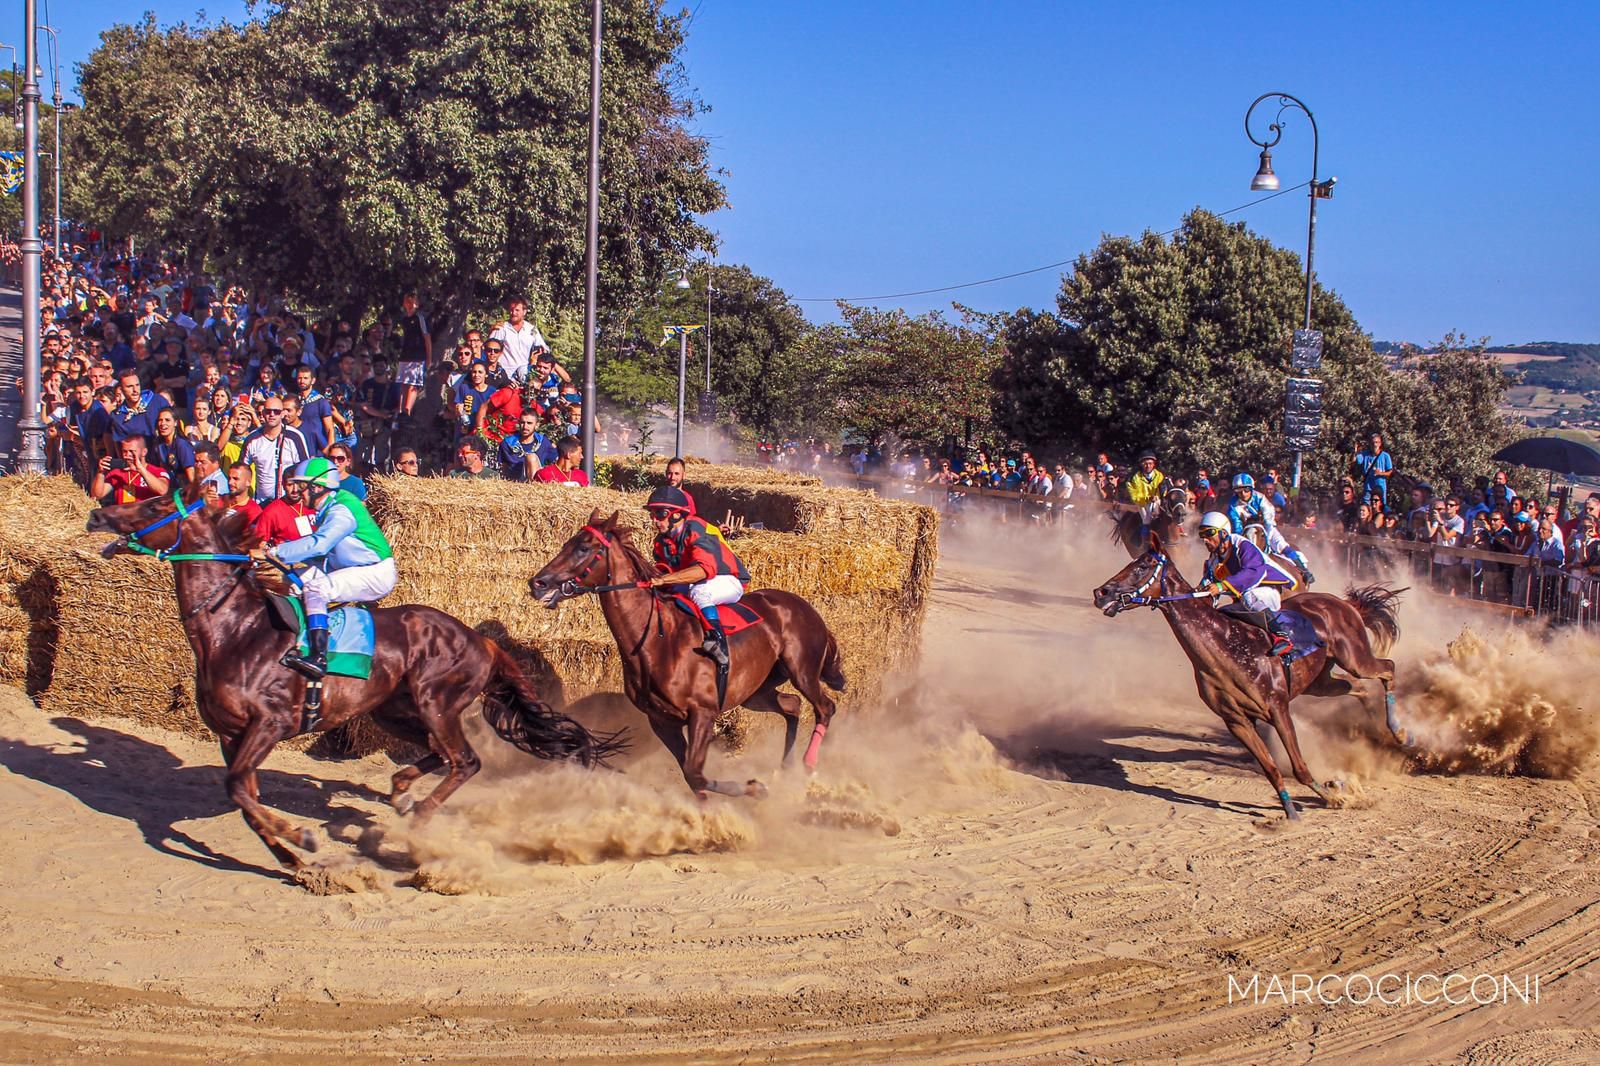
[{"x": 155, "y": 377}]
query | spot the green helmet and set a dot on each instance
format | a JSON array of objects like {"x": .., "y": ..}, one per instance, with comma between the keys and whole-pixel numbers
[{"x": 318, "y": 471}]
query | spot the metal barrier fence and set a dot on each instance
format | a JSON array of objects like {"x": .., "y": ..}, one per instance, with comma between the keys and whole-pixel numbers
[{"x": 1498, "y": 582}]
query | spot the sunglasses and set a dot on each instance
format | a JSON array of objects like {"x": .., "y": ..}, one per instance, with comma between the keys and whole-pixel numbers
[{"x": 406, "y": 462}]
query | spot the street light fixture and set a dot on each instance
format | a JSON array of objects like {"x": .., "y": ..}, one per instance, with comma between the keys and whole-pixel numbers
[{"x": 1267, "y": 181}]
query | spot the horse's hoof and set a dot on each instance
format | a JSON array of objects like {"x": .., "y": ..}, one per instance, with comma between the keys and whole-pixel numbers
[
  {"x": 307, "y": 840},
  {"x": 1337, "y": 784},
  {"x": 755, "y": 789},
  {"x": 403, "y": 802}
]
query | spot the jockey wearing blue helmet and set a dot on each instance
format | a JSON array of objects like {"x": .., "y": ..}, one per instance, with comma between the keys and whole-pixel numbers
[{"x": 1249, "y": 506}]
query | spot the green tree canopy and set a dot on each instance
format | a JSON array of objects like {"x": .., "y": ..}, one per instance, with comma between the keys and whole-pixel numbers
[
  {"x": 1183, "y": 346},
  {"x": 350, "y": 150}
]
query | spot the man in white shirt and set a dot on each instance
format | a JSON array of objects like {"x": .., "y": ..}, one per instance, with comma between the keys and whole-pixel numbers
[
  {"x": 272, "y": 450},
  {"x": 520, "y": 340}
]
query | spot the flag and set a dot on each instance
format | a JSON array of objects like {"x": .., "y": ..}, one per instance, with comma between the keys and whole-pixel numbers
[{"x": 10, "y": 172}]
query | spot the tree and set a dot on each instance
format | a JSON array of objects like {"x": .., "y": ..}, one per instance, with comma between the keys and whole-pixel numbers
[
  {"x": 352, "y": 150},
  {"x": 1183, "y": 346},
  {"x": 920, "y": 379}
]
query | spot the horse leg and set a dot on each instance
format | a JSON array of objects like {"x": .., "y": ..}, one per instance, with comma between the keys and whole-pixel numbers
[
  {"x": 1356, "y": 657},
  {"x": 702, "y": 722},
  {"x": 450, "y": 747},
  {"x": 812, "y": 688},
  {"x": 768, "y": 698},
  {"x": 1245, "y": 734},
  {"x": 249, "y": 752},
  {"x": 1284, "y": 725},
  {"x": 407, "y": 776}
]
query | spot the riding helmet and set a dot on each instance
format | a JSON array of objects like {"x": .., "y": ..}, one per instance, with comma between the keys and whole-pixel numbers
[
  {"x": 1215, "y": 520},
  {"x": 1148, "y": 455},
  {"x": 318, "y": 471},
  {"x": 668, "y": 498},
  {"x": 1243, "y": 481}
]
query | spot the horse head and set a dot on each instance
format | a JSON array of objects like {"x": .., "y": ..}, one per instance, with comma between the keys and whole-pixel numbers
[
  {"x": 576, "y": 568},
  {"x": 1175, "y": 502},
  {"x": 160, "y": 523},
  {"x": 1128, "y": 587}
]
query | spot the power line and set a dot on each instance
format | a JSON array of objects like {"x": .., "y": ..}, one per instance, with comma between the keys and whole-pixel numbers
[{"x": 1022, "y": 273}]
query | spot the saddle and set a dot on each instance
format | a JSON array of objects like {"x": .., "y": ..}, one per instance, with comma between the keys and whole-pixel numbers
[
  {"x": 735, "y": 617},
  {"x": 1301, "y": 632}
]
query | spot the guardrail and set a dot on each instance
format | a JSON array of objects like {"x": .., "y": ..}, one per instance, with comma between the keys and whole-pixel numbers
[{"x": 1499, "y": 582}]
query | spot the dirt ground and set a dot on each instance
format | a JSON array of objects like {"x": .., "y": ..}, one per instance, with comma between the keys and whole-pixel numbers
[{"x": 1045, "y": 850}]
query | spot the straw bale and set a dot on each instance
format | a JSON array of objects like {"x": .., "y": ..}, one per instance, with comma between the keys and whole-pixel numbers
[{"x": 95, "y": 635}]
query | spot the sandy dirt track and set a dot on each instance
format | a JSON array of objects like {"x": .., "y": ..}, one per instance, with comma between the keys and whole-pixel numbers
[{"x": 1072, "y": 880}]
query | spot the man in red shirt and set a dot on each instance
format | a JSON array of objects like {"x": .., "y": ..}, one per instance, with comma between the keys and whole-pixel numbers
[
  {"x": 286, "y": 518},
  {"x": 497, "y": 419},
  {"x": 239, "y": 497},
  {"x": 566, "y": 470},
  {"x": 129, "y": 479}
]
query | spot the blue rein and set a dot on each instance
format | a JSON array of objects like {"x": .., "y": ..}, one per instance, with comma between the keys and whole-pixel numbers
[{"x": 172, "y": 555}]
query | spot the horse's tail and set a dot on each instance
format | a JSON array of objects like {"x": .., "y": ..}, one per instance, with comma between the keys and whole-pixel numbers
[
  {"x": 1376, "y": 605},
  {"x": 832, "y": 669},
  {"x": 515, "y": 711}
]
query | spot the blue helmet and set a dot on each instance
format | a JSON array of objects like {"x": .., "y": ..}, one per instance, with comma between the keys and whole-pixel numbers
[{"x": 1243, "y": 481}]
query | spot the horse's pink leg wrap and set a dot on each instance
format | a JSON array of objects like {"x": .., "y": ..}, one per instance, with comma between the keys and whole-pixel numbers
[{"x": 816, "y": 744}]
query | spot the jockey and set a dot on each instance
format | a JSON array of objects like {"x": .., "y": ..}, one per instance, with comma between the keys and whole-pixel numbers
[
  {"x": 1249, "y": 506},
  {"x": 354, "y": 564},
  {"x": 1143, "y": 489},
  {"x": 689, "y": 552},
  {"x": 1239, "y": 568}
]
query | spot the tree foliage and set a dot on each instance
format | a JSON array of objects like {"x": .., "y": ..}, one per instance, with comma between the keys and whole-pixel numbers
[
  {"x": 351, "y": 149},
  {"x": 1183, "y": 346},
  {"x": 918, "y": 378}
]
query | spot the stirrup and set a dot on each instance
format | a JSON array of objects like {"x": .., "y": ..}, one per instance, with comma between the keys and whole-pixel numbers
[
  {"x": 1281, "y": 645},
  {"x": 307, "y": 666}
]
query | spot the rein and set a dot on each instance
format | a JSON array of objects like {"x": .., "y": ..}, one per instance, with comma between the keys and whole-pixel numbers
[
  {"x": 1137, "y": 597},
  {"x": 172, "y": 555}
]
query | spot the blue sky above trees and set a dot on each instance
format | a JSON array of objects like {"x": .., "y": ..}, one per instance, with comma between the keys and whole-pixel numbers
[{"x": 877, "y": 148}]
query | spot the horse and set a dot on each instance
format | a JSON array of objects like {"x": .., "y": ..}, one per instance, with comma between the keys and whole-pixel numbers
[
  {"x": 1171, "y": 511},
  {"x": 427, "y": 668},
  {"x": 664, "y": 676},
  {"x": 1237, "y": 675}
]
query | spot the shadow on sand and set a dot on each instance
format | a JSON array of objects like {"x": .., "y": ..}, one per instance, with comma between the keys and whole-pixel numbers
[{"x": 124, "y": 776}]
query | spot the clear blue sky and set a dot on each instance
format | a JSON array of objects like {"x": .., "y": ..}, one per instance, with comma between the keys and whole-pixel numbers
[{"x": 877, "y": 147}]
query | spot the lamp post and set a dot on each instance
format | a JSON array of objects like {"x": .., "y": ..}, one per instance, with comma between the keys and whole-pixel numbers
[
  {"x": 591, "y": 242},
  {"x": 55, "y": 101},
  {"x": 30, "y": 453},
  {"x": 1266, "y": 181}
]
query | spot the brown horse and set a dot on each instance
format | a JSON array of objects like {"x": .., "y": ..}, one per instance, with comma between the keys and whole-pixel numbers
[
  {"x": 663, "y": 675},
  {"x": 1236, "y": 672},
  {"x": 427, "y": 669},
  {"x": 1168, "y": 524}
]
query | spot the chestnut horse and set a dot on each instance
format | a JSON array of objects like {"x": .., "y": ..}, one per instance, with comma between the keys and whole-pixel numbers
[
  {"x": 427, "y": 669},
  {"x": 1173, "y": 509},
  {"x": 1237, "y": 674},
  {"x": 668, "y": 680}
]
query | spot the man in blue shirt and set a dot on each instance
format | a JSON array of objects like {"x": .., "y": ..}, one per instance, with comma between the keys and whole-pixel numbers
[
  {"x": 117, "y": 350},
  {"x": 526, "y": 452},
  {"x": 1375, "y": 466},
  {"x": 316, "y": 413},
  {"x": 135, "y": 415}
]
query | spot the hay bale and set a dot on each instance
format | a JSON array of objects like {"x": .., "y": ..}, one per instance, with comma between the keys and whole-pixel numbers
[{"x": 92, "y": 635}]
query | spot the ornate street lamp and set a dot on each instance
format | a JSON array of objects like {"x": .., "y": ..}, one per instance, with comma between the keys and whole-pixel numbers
[{"x": 1303, "y": 404}]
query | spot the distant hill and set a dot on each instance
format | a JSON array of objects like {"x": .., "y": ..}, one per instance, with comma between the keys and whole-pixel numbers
[{"x": 1560, "y": 366}]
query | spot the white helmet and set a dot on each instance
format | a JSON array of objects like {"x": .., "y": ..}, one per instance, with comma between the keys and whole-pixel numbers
[{"x": 1215, "y": 520}]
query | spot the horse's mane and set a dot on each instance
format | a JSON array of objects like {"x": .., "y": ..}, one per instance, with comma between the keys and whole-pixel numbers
[{"x": 624, "y": 540}]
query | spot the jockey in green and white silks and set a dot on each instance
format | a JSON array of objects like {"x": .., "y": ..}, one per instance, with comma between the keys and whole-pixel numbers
[{"x": 347, "y": 559}]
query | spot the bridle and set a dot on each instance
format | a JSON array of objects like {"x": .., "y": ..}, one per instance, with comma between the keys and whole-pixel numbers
[
  {"x": 180, "y": 511},
  {"x": 571, "y": 587}
]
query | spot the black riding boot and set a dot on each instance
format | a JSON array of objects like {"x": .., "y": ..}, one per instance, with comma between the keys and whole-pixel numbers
[
  {"x": 715, "y": 646},
  {"x": 314, "y": 664},
  {"x": 1265, "y": 621}
]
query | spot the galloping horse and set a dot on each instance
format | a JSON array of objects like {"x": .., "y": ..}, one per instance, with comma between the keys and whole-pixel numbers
[
  {"x": 665, "y": 678},
  {"x": 426, "y": 670},
  {"x": 1235, "y": 670},
  {"x": 1170, "y": 514}
]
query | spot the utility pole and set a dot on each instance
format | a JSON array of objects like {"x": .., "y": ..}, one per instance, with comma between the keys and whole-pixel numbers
[
  {"x": 592, "y": 242},
  {"x": 30, "y": 453}
]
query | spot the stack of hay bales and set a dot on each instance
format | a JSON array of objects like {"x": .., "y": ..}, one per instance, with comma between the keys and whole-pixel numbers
[
  {"x": 95, "y": 635},
  {"x": 86, "y": 634}
]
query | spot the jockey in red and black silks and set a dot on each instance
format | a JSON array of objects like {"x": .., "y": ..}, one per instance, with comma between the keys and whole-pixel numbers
[{"x": 688, "y": 552}]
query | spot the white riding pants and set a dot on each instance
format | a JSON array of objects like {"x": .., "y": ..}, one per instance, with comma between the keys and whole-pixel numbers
[
  {"x": 351, "y": 584},
  {"x": 1275, "y": 542},
  {"x": 716, "y": 591},
  {"x": 1262, "y": 598}
]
